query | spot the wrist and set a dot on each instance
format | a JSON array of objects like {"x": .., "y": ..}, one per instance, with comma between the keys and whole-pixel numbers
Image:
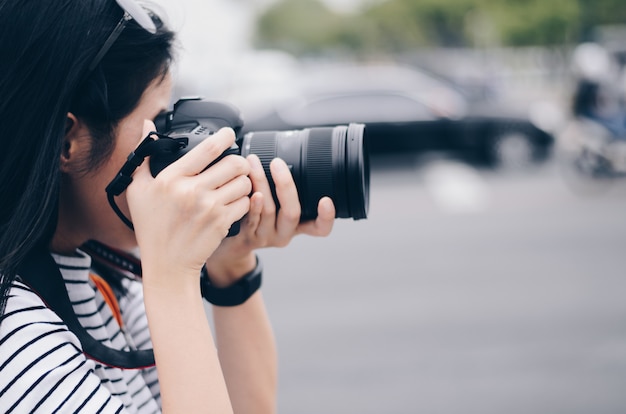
[
  {"x": 225, "y": 272},
  {"x": 236, "y": 293},
  {"x": 175, "y": 280}
]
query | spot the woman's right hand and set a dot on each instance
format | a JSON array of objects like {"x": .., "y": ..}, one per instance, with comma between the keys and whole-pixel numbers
[{"x": 181, "y": 215}]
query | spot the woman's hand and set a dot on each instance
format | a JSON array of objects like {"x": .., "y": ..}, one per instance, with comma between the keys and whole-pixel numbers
[
  {"x": 263, "y": 226},
  {"x": 182, "y": 215}
]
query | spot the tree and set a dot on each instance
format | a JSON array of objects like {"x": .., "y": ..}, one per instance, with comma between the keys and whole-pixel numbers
[
  {"x": 297, "y": 26},
  {"x": 307, "y": 26}
]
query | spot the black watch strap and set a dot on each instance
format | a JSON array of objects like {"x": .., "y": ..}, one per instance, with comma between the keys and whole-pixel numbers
[{"x": 235, "y": 294}]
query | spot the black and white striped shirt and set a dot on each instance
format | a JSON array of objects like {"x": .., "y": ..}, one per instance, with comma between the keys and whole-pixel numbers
[{"x": 42, "y": 366}]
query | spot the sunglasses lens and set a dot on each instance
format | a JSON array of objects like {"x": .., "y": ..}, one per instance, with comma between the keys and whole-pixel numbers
[{"x": 138, "y": 14}]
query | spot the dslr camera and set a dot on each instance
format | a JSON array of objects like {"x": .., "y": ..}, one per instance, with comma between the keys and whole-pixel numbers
[{"x": 327, "y": 161}]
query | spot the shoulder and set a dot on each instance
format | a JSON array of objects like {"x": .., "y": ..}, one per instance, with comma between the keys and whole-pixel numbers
[
  {"x": 42, "y": 364},
  {"x": 24, "y": 306}
]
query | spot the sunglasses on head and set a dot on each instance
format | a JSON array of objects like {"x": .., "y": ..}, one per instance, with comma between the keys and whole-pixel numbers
[{"x": 132, "y": 11}]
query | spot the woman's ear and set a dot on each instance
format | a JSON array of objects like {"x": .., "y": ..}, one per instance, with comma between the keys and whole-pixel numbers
[{"x": 75, "y": 144}]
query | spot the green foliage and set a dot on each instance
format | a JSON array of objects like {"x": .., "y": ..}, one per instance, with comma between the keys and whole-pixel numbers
[
  {"x": 594, "y": 12},
  {"x": 307, "y": 26},
  {"x": 535, "y": 22},
  {"x": 405, "y": 24},
  {"x": 298, "y": 26}
]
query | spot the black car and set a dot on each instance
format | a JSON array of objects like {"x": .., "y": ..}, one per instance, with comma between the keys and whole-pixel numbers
[{"x": 408, "y": 111}]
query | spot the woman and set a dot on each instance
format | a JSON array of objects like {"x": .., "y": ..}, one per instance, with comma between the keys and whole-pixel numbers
[{"x": 80, "y": 80}]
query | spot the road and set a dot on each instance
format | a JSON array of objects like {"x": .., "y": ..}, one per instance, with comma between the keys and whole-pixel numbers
[{"x": 465, "y": 291}]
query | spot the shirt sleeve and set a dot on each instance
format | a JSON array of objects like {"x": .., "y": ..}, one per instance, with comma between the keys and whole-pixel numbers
[{"x": 42, "y": 366}]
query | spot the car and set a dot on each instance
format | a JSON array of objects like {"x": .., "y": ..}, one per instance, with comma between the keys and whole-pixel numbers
[{"x": 407, "y": 111}]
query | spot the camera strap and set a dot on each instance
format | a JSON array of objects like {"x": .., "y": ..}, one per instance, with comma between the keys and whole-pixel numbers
[
  {"x": 150, "y": 145},
  {"x": 42, "y": 274}
]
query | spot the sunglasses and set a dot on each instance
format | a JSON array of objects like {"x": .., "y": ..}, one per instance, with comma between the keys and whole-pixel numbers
[{"x": 132, "y": 11}]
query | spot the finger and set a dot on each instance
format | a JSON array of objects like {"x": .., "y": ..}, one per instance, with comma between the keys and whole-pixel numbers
[
  {"x": 257, "y": 174},
  {"x": 267, "y": 216},
  {"x": 233, "y": 190},
  {"x": 259, "y": 181},
  {"x": 238, "y": 208},
  {"x": 251, "y": 222},
  {"x": 224, "y": 171},
  {"x": 289, "y": 214},
  {"x": 323, "y": 224},
  {"x": 207, "y": 151},
  {"x": 231, "y": 213}
]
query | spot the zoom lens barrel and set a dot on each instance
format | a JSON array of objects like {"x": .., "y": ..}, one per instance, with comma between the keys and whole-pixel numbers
[{"x": 329, "y": 161}]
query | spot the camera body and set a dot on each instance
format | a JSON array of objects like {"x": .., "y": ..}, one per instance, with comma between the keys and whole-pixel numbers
[{"x": 196, "y": 120}]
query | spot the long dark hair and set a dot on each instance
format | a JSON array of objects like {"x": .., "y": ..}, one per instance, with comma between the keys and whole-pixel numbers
[{"x": 46, "y": 47}]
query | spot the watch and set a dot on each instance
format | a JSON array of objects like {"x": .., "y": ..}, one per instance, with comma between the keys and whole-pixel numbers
[{"x": 235, "y": 294}]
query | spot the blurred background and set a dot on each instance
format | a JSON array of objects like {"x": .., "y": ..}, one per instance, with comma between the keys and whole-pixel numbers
[{"x": 490, "y": 275}]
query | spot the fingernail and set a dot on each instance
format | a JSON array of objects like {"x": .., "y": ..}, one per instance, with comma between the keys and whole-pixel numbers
[
  {"x": 325, "y": 205},
  {"x": 281, "y": 166},
  {"x": 255, "y": 162},
  {"x": 257, "y": 201}
]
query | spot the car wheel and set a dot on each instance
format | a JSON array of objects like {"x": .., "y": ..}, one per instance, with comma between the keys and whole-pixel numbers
[{"x": 512, "y": 150}]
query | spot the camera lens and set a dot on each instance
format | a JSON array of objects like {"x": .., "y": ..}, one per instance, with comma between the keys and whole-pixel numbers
[{"x": 330, "y": 161}]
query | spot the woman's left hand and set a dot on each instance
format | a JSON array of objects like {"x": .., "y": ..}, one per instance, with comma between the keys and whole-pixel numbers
[{"x": 263, "y": 226}]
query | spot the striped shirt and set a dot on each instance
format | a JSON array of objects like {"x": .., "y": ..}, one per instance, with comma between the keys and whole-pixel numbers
[{"x": 42, "y": 366}]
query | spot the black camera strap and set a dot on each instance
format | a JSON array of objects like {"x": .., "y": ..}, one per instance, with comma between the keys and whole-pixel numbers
[
  {"x": 42, "y": 274},
  {"x": 151, "y": 144}
]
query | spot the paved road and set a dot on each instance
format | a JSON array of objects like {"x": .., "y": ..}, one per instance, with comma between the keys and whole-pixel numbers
[{"x": 464, "y": 292}]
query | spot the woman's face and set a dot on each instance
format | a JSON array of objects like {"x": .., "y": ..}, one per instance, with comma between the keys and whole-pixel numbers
[{"x": 84, "y": 209}]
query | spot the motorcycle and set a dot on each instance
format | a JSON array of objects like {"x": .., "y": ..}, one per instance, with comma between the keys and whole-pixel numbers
[{"x": 593, "y": 148}]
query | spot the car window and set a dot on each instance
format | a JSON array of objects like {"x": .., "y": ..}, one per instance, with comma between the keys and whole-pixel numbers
[{"x": 343, "y": 109}]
